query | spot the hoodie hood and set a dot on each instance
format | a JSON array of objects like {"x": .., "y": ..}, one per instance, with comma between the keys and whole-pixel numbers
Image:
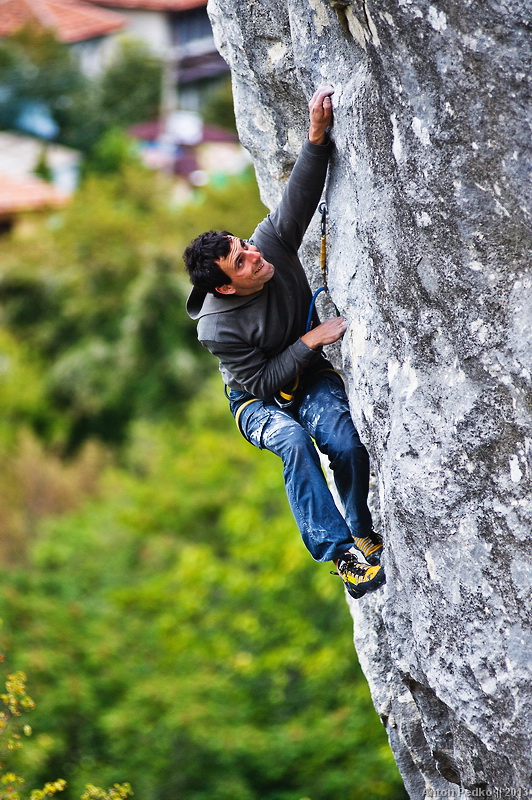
[{"x": 201, "y": 304}]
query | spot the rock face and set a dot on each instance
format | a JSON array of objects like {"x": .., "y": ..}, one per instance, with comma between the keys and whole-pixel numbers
[{"x": 428, "y": 251}]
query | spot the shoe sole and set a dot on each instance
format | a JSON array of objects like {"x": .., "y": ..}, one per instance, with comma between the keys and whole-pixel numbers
[{"x": 356, "y": 591}]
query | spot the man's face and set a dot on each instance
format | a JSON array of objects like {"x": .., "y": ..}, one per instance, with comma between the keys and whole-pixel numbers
[{"x": 246, "y": 268}]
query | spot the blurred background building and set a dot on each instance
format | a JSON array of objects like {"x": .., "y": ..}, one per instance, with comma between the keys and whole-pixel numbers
[{"x": 187, "y": 131}]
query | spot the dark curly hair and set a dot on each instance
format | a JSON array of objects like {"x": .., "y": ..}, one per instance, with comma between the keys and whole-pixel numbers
[{"x": 200, "y": 259}]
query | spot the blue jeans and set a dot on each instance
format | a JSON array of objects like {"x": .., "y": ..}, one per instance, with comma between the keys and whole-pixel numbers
[{"x": 321, "y": 412}]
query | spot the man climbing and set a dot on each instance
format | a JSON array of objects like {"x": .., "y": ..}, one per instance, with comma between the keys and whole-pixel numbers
[{"x": 251, "y": 299}]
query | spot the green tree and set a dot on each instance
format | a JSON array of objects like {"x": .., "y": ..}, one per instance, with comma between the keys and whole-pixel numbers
[
  {"x": 180, "y": 635},
  {"x": 22, "y": 398},
  {"x": 234, "y": 206},
  {"x": 99, "y": 297},
  {"x": 15, "y": 702},
  {"x": 219, "y": 107},
  {"x": 131, "y": 85},
  {"x": 34, "y": 66},
  {"x": 42, "y": 168},
  {"x": 112, "y": 153}
]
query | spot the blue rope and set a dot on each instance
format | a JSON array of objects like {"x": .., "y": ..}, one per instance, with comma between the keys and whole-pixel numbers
[{"x": 312, "y": 306}]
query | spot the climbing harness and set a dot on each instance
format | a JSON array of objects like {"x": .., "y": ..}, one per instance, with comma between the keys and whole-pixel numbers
[
  {"x": 240, "y": 410},
  {"x": 247, "y": 403},
  {"x": 285, "y": 396}
]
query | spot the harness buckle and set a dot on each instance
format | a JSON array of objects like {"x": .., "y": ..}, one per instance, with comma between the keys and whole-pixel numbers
[{"x": 285, "y": 397}]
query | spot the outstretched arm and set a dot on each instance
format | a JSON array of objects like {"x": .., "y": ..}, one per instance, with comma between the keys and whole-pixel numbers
[
  {"x": 305, "y": 185},
  {"x": 320, "y": 112}
]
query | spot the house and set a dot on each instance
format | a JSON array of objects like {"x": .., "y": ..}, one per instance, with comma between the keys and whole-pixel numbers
[
  {"x": 179, "y": 31},
  {"x": 23, "y": 194},
  {"x": 184, "y": 146},
  {"x": 20, "y": 156},
  {"x": 21, "y": 191},
  {"x": 87, "y": 29}
]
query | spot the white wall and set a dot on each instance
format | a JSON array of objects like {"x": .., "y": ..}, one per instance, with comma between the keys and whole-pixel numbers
[{"x": 151, "y": 27}]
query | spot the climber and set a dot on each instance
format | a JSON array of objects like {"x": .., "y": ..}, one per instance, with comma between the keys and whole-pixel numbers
[{"x": 251, "y": 299}]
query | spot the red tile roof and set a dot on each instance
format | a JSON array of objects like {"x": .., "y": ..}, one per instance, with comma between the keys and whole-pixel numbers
[
  {"x": 27, "y": 194},
  {"x": 153, "y": 5},
  {"x": 71, "y": 20}
]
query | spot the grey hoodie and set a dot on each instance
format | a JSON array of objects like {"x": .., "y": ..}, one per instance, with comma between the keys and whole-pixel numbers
[{"x": 256, "y": 337}]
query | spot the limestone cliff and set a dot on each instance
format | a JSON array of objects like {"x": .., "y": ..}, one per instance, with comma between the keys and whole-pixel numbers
[{"x": 428, "y": 250}]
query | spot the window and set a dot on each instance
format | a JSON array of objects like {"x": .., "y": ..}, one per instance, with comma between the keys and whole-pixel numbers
[{"x": 191, "y": 26}]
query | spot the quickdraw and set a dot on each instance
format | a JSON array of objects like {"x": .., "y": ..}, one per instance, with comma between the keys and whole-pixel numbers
[{"x": 286, "y": 396}]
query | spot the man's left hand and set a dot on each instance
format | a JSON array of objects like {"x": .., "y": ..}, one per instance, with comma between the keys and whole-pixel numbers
[
  {"x": 325, "y": 333},
  {"x": 321, "y": 115}
]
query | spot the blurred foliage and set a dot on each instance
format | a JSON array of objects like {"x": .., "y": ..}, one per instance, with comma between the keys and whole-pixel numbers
[
  {"x": 112, "y": 153},
  {"x": 37, "y": 483},
  {"x": 181, "y": 637},
  {"x": 176, "y": 633},
  {"x": 235, "y": 206},
  {"x": 131, "y": 85},
  {"x": 15, "y": 702},
  {"x": 98, "y": 298},
  {"x": 21, "y": 386},
  {"x": 218, "y": 108},
  {"x": 35, "y": 67},
  {"x": 42, "y": 168}
]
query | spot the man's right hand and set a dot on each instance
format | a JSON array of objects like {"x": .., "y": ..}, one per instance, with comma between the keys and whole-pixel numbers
[{"x": 326, "y": 333}]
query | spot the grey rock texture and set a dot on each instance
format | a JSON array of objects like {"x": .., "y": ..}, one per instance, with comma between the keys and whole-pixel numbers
[{"x": 429, "y": 243}]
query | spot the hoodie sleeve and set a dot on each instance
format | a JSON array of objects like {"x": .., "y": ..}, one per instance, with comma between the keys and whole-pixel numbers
[
  {"x": 259, "y": 375},
  {"x": 302, "y": 194}
]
